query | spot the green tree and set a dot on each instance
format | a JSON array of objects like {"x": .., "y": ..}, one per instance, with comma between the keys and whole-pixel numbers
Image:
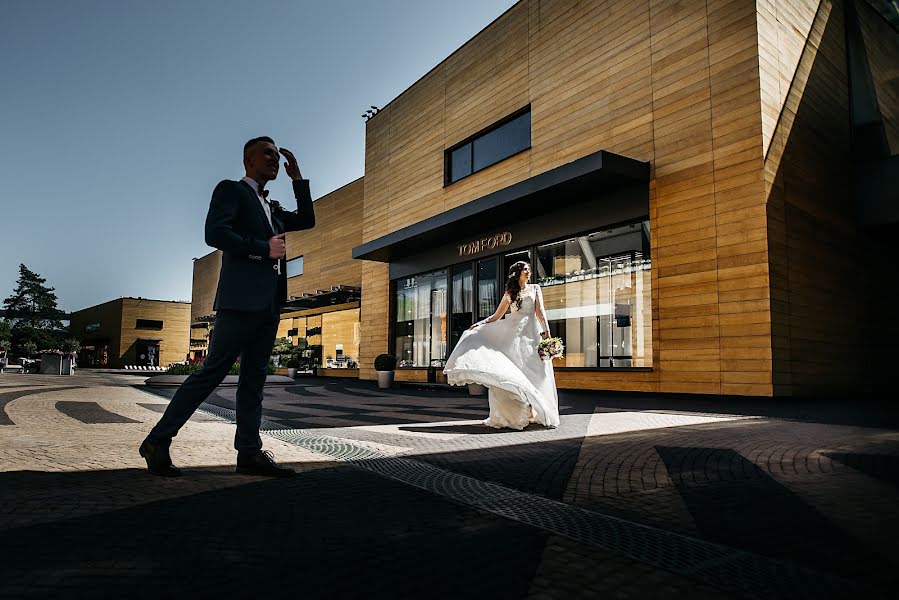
[
  {"x": 32, "y": 312},
  {"x": 5, "y": 335}
]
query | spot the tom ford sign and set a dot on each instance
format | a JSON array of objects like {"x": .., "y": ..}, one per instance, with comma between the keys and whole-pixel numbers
[{"x": 486, "y": 243}]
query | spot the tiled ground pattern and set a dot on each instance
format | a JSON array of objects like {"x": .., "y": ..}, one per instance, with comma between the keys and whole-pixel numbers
[{"x": 806, "y": 484}]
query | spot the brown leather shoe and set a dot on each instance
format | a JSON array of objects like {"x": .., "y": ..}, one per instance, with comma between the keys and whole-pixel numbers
[
  {"x": 158, "y": 460},
  {"x": 262, "y": 463}
]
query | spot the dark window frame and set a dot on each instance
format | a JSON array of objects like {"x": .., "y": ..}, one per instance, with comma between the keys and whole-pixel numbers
[
  {"x": 448, "y": 153},
  {"x": 150, "y": 324}
]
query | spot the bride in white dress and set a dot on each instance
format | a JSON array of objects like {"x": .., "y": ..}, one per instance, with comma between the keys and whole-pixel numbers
[{"x": 501, "y": 354}]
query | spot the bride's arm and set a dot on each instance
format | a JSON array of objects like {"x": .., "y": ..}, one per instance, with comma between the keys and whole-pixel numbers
[
  {"x": 500, "y": 311},
  {"x": 541, "y": 313}
]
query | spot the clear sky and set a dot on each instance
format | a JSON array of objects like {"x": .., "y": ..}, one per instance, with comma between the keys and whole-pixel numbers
[{"x": 118, "y": 117}]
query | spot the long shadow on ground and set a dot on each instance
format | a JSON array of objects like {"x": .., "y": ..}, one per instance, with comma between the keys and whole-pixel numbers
[{"x": 331, "y": 532}]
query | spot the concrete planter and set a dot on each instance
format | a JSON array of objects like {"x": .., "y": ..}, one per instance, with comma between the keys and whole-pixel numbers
[
  {"x": 385, "y": 379},
  {"x": 291, "y": 372},
  {"x": 476, "y": 389},
  {"x": 55, "y": 364}
]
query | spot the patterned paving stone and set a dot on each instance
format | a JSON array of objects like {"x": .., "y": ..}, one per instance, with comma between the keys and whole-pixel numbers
[
  {"x": 90, "y": 413},
  {"x": 806, "y": 489}
]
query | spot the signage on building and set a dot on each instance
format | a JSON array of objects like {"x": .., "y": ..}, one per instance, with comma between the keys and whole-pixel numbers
[{"x": 486, "y": 243}]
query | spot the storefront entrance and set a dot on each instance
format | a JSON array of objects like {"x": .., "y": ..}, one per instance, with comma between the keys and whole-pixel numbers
[
  {"x": 596, "y": 288},
  {"x": 147, "y": 353}
]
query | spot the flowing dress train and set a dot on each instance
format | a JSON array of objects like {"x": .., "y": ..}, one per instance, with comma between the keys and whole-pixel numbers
[{"x": 503, "y": 357}]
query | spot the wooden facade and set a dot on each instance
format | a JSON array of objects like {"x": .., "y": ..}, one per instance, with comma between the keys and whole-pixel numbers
[
  {"x": 205, "y": 281},
  {"x": 736, "y": 104},
  {"x": 327, "y": 248},
  {"x": 126, "y": 325}
]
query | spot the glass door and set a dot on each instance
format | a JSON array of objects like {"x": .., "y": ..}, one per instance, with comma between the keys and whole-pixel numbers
[
  {"x": 463, "y": 302},
  {"x": 488, "y": 287}
]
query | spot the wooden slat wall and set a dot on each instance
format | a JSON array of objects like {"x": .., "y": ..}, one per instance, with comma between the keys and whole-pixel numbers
[
  {"x": 674, "y": 83},
  {"x": 327, "y": 248},
  {"x": 817, "y": 256},
  {"x": 175, "y": 332},
  {"x": 109, "y": 317},
  {"x": 205, "y": 282}
]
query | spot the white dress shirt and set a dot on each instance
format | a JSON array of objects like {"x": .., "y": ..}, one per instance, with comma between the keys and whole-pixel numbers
[{"x": 265, "y": 205}]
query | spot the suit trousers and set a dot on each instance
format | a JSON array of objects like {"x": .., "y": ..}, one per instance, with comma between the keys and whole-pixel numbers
[{"x": 244, "y": 334}]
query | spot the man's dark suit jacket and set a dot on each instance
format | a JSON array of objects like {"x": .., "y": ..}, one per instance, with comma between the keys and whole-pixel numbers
[{"x": 236, "y": 224}]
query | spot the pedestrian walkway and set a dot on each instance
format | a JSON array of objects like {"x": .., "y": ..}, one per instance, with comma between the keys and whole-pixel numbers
[{"x": 402, "y": 493}]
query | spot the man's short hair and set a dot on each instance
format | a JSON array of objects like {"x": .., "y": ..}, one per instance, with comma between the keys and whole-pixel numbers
[{"x": 255, "y": 141}]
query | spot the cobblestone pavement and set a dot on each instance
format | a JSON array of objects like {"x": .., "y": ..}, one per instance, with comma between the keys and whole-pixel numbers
[{"x": 403, "y": 494}]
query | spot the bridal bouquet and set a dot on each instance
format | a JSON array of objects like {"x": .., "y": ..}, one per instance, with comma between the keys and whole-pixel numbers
[{"x": 550, "y": 348}]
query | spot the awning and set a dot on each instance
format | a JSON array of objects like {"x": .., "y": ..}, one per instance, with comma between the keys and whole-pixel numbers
[
  {"x": 148, "y": 339},
  {"x": 338, "y": 294},
  {"x": 595, "y": 175}
]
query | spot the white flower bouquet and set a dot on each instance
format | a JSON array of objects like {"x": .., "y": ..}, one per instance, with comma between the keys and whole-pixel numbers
[{"x": 551, "y": 348}]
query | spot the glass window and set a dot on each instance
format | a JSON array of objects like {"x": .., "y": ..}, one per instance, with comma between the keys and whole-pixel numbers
[
  {"x": 504, "y": 141},
  {"x": 463, "y": 302},
  {"x": 460, "y": 164},
  {"x": 597, "y": 290},
  {"x": 490, "y": 147},
  {"x": 421, "y": 320},
  {"x": 340, "y": 334},
  {"x": 148, "y": 324},
  {"x": 295, "y": 266},
  {"x": 509, "y": 260},
  {"x": 487, "y": 288}
]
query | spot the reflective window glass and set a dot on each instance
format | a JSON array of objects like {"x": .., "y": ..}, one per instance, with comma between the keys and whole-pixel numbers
[
  {"x": 504, "y": 141},
  {"x": 295, "y": 266},
  {"x": 421, "y": 320},
  {"x": 463, "y": 302},
  {"x": 597, "y": 294},
  {"x": 487, "y": 288},
  {"x": 489, "y": 148},
  {"x": 460, "y": 164}
]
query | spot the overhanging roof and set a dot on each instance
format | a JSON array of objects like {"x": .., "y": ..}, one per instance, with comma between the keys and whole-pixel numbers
[
  {"x": 550, "y": 191},
  {"x": 338, "y": 294}
]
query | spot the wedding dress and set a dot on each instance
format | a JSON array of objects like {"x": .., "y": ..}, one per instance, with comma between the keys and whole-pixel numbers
[{"x": 502, "y": 356}]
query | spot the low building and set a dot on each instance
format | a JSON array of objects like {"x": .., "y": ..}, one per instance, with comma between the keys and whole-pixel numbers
[
  {"x": 132, "y": 331},
  {"x": 202, "y": 313}
]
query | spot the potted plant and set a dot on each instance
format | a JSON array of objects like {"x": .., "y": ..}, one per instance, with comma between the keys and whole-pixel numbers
[
  {"x": 385, "y": 364},
  {"x": 292, "y": 364}
]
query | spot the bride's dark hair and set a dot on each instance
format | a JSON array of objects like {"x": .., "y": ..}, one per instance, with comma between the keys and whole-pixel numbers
[{"x": 513, "y": 288}]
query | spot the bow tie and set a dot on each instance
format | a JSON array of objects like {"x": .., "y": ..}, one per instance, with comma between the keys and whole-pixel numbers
[{"x": 264, "y": 194}]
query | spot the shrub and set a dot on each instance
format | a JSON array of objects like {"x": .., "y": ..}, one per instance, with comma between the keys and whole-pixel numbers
[
  {"x": 182, "y": 369},
  {"x": 193, "y": 366},
  {"x": 71, "y": 346},
  {"x": 385, "y": 362}
]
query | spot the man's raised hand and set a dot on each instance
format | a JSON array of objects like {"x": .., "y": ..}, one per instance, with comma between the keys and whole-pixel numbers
[
  {"x": 291, "y": 166},
  {"x": 277, "y": 248}
]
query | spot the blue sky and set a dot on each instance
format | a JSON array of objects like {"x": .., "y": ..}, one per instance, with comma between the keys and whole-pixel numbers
[{"x": 117, "y": 118}]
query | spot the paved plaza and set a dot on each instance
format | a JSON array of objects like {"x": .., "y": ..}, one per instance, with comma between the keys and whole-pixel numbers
[{"x": 403, "y": 494}]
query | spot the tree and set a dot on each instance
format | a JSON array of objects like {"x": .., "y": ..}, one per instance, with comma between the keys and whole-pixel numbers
[
  {"x": 5, "y": 335},
  {"x": 32, "y": 312}
]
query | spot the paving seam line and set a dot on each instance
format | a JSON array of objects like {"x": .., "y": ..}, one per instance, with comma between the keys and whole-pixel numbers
[{"x": 714, "y": 564}]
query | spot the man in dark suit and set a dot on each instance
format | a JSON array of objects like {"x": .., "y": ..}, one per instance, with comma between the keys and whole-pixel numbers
[{"x": 252, "y": 288}]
